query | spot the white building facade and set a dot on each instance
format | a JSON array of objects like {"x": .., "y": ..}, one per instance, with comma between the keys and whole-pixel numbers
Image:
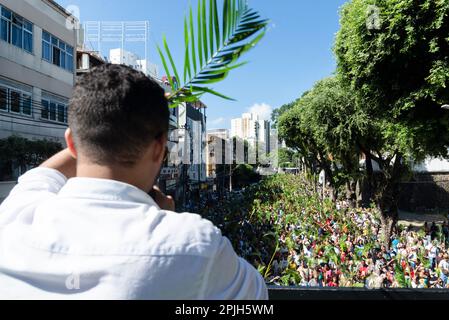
[
  {"x": 193, "y": 140},
  {"x": 37, "y": 69},
  {"x": 120, "y": 56},
  {"x": 432, "y": 165},
  {"x": 37, "y": 62},
  {"x": 251, "y": 128},
  {"x": 220, "y": 133}
]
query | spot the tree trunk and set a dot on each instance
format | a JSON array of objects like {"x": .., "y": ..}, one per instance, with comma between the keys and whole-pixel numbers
[
  {"x": 329, "y": 177},
  {"x": 368, "y": 186},
  {"x": 351, "y": 196},
  {"x": 388, "y": 198},
  {"x": 389, "y": 218},
  {"x": 359, "y": 196},
  {"x": 334, "y": 194}
]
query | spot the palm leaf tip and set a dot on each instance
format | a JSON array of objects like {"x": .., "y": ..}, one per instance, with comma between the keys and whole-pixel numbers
[{"x": 217, "y": 49}]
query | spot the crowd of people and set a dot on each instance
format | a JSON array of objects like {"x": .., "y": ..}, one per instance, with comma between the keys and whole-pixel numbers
[{"x": 294, "y": 237}]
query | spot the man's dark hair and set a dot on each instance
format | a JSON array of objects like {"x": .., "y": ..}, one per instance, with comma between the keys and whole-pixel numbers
[{"x": 115, "y": 113}]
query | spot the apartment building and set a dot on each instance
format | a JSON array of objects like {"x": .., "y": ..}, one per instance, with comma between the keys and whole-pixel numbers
[{"x": 37, "y": 73}]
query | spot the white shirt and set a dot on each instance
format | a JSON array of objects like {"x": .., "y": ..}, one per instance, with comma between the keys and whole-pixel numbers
[
  {"x": 444, "y": 266},
  {"x": 433, "y": 251},
  {"x": 102, "y": 239}
]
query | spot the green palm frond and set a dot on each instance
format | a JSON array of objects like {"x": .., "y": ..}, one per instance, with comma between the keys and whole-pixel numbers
[{"x": 212, "y": 47}]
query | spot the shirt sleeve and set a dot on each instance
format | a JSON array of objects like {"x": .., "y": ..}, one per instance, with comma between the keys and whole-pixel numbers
[
  {"x": 232, "y": 278},
  {"x": 33, "y": 187}
]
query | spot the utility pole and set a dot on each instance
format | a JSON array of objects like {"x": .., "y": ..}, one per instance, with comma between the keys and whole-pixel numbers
[{"x": 230, "y": 177}]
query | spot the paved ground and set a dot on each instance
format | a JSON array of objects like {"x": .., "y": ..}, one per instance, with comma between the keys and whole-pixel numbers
[{"x": 418, "y": 219}]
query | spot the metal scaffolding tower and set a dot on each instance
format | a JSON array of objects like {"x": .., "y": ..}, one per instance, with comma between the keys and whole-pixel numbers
[{"x": 97, "y": 33}]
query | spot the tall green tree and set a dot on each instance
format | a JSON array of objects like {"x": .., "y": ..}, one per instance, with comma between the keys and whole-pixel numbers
[
  {"x": 298, "y": 135},
  {"x": 394, "y": 55},
  {"x": 277, "y": 113},
  {"x": 325, "y": 126},
  {"x": 338, "y": 126}
]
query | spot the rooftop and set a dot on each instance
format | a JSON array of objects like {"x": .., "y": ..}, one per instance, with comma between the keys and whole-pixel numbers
[{"x": 58, "y": 7}]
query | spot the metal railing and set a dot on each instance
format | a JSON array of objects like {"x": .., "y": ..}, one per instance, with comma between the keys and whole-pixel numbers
[{"x": 299, "y": 293}]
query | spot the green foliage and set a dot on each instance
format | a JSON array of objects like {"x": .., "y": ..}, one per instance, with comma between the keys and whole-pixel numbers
[
  {"x": 212, "y": 47},
  {"x": 300, "y": 205},
  {"x": 25, "y": 153},
  {"x": 298, "y": 136},
  {"x": 399, "y": 72},
  {"x": 279, "y": 112},
  {"x": 290, "y": 278},
  {"x": 400, "y": 276},
  {"x": 326, "y": 128},
  {"x": 287, "y": 158},
  {"x": 243, "y": 175}
]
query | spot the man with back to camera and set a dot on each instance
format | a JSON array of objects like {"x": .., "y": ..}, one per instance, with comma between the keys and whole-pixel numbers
[{"x": 82, "y": 225}]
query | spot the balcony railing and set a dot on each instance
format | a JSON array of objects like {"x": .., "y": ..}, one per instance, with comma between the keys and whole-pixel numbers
[{"x": 296, "y": 293}]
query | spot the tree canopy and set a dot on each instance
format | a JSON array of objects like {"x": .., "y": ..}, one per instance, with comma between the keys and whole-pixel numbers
[
  {"x": 394, "y": 56},
  {"x": 399, "y": 71},
  {"x": 325, "y": 127}
]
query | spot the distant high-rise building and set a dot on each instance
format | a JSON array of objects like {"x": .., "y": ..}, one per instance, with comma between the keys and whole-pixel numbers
[
  {"x": 216, "y": 149},
  {"x": 192, "y": 141},
  {"x": 251, "y": 128},
  {"x": 220, "y": 133}
]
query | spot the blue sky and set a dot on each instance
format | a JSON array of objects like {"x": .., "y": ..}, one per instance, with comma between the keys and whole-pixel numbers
[{"x": 296, "y": 52}]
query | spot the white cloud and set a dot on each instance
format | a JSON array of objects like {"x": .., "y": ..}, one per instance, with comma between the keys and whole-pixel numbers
[
  {"x": 217, "y": 121},
  {"x": 263, "y": 110}
]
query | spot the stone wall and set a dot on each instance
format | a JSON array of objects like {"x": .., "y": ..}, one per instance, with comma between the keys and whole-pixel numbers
[{"x": 425, "y": 192}]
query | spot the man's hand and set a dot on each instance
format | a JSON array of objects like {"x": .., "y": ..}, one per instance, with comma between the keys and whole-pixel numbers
[
  {"x": 63, "y": 162},
  {"x": 163, "y": 201}
]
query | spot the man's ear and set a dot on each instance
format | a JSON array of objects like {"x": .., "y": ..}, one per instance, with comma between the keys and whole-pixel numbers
[
  {"x": 159, "y": 149},
  {"x": 70, "y": 143}
]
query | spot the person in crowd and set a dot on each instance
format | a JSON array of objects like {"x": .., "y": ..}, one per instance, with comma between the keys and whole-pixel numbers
[
  {"x": 342, "y": 247},
  {"x": 444, "y": 269},
  {"x": 445, "y": 231}
]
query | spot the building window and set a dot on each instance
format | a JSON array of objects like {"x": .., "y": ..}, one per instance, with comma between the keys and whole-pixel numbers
[
  {"x": 26, "y": 104},
  {"x": 46, "y": 55},
  {"x": 61, "y": 113},
  {"x": 3, "y": 99},
  {"x": 16, "y": 30},
  {"x": 15, "y": 101},
  {"x": 6, "y": 24},
  {"x": 57, "y": 56},
  {"x": 27, "y": 36},
  {"x": 57, "y": 52},
  {"x": 44, "y": 110},
  {"x": 54, "y": 111}
]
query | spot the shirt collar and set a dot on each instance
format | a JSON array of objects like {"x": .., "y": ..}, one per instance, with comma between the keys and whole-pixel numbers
[{"x": 104, "y": 189}]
